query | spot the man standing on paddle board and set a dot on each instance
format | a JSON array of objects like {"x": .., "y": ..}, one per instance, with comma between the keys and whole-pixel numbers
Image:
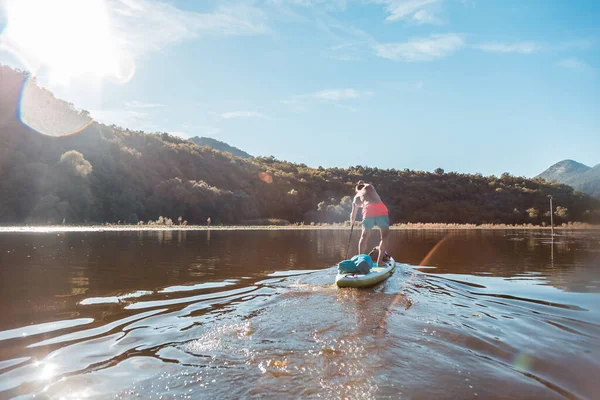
[{"x": 374, "y": 212}]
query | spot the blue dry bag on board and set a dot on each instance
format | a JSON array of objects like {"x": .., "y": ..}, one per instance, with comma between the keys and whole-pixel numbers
[{"x": 360, "y": 264}]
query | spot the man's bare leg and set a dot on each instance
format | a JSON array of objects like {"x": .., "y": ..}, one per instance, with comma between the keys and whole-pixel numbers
[
  {"x": 383, "y": 244},
  {"x": 364, "y": 240}
]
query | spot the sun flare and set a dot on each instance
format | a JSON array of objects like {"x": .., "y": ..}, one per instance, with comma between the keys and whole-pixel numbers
[{"x": 72, "y": 39}]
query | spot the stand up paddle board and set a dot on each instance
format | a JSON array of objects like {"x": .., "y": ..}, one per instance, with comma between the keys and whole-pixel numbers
[{"x": 376, "y": 275}]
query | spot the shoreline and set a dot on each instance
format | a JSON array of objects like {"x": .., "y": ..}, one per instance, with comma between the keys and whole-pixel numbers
[{"x": 409, "y": 226}]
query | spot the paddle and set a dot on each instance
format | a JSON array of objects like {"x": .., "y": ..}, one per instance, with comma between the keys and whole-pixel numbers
[{"x": 349, "y": 240}]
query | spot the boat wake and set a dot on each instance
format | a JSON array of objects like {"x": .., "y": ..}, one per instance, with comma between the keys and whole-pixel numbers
[{"x": 295, "y": 334}]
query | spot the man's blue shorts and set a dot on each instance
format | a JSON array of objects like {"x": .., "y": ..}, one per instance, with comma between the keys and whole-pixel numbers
[{"x": 370, "y": 222}]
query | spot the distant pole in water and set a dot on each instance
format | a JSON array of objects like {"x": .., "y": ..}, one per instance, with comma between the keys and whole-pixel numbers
[
  {"x": 551, "y": 216},
  {"x": 552, "y": 251}
]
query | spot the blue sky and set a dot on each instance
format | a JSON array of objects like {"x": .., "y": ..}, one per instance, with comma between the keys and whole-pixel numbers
[{"x": 466, "y": 85}]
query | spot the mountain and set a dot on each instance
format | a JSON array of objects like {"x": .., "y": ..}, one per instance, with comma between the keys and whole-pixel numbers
[
  {"x": 563, "y": 171},
  {"x": 102, "y": 173},
  {"x": 218, "y": 145},
  {"x": 575, "y": 174}
]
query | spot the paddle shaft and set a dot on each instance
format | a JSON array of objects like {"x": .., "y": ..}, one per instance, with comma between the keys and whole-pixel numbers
[{"x": 349, "y": 240}]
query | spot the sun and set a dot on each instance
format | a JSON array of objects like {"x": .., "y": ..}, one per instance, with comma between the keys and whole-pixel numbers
[{"x": 71, "y": 39}]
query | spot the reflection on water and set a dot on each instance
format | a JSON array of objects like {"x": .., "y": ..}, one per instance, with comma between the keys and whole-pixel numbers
[{"x": 234, "y": 314}]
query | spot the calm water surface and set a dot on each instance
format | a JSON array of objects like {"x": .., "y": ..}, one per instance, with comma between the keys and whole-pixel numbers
[{"x": 255, "y": 314}]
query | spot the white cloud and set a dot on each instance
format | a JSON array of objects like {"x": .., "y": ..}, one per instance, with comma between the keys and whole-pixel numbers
[
  {"x": 348, "y": 43},
  {"x": 529, "y": 47},
  {"x": 420, "y": 11},
  {"x": 335, "y": 97},
  {"x": 425, "y": 17},
  {"x": 139, "y": 104},
  {"x": 337, "y": 94},
  {"x": 345, "y": 51},
  {"x": 148, "y": 25},
  {"x": 421, "y": 49},
  {"x": 242, "y": 114},
  {"x": 330, "y": 5},
  {"x": 519, "y": 47},
  {"x": 576, "y": 65}
]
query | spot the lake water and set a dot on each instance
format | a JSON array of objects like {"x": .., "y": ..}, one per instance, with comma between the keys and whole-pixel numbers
[{"x": 255, "y": 314}]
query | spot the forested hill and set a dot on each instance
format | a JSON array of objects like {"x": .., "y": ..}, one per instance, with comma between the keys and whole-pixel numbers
[
  {"x": 577, "y": 175},
  {"x": 109, "y": 174},
  {"x": 218, "y": 145}
]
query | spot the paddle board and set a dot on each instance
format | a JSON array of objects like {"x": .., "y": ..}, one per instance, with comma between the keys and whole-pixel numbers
[{"x": 376, "y": 275}]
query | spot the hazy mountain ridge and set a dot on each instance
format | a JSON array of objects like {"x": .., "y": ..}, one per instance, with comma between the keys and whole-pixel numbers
[
  {"x": 110, "y": 174},
  {"x": 563, "y": 170},
  {"x": 218, "y": 145},
  {"x": 575, "y": 174}
]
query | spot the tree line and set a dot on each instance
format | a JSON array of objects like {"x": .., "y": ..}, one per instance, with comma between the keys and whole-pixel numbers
[{"x": 107, "y": 173}]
